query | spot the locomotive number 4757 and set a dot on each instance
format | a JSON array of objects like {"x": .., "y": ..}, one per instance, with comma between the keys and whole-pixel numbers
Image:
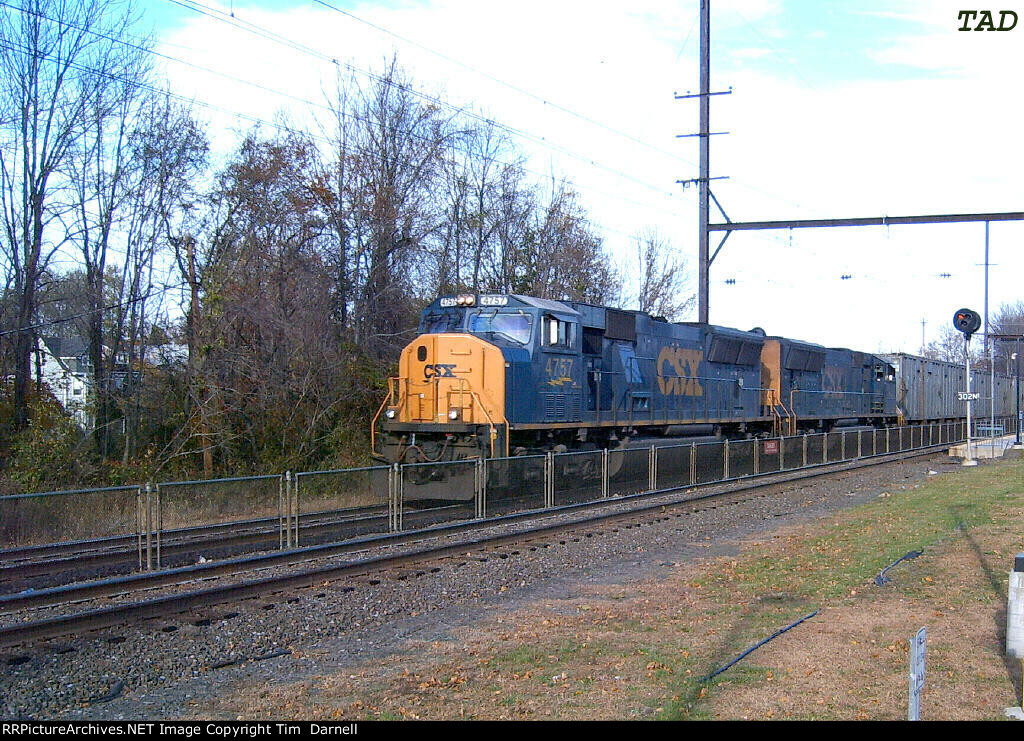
[{"x": 559, "y": 367}]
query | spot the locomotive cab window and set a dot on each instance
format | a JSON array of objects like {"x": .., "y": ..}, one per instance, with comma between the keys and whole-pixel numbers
[
  {"x": 515, "y": 326},
  {"x": 439, "y": 323},
  {"x": 559, "y": 333}
]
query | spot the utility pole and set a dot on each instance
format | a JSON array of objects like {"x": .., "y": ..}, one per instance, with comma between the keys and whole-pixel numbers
[
  {"x": 703, "y": 185},
  {"x": 703, "y": 179},
  {"x": 990, "y": 346},
  {"x": 986, "y": 285},
  {"x": 1016, "y": 393},
  {"x": 1015, "y": 338},
  {"x": 705, "y": 196}
]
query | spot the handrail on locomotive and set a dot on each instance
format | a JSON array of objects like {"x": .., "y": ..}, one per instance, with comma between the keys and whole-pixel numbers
[{"x": 462, "y": 389}]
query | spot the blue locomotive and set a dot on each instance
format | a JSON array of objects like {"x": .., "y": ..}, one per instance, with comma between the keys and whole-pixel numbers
[{"x": 505, "y": 375}]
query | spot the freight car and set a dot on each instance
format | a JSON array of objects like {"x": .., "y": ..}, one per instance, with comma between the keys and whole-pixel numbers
[
  {"x": 510, "y": 375},
  {"x": 926, "y": 390}
]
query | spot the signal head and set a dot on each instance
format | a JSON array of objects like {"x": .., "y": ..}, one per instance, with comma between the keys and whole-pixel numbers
[{"x": 967, "y": 321}]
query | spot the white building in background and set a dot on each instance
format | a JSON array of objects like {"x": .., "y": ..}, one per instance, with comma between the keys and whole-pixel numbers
[{"x": 66, "y": 370}]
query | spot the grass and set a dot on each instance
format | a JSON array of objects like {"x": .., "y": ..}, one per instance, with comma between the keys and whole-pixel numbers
[
  {"x": 642, "y": 650},
  {"x": 834, "y": 565},
  {"x": 852, "y": 550}
]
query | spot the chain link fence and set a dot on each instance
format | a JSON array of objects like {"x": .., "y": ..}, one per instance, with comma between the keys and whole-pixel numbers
[
  {"x": 299, "y": 509},
  {"x": 105, "y": 514},
  {"x": 348, "y": 501}
]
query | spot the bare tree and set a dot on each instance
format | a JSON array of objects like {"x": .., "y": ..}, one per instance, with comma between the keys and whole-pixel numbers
[
  {"x": 398, "y": 150},
  {"x": 169, "y": 154},
  {"x": 486, "y": 145},
  {"x": 105, "y": 176},
  {"x": 515, "y": 203},
  {"x": 664, "y": 281},
  {"x": 334, "y": 186},
  {"x": 452, "y": 237},
  {"x": 568, "y": 261},
  {"x": 50, "y": 51},
  {"x": 950, "y": 347},
  {"x": 1008, "y": 320}
]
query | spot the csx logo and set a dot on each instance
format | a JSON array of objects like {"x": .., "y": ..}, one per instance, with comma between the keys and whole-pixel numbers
[
  {"x": 685, "y": 364},
  {"x": 440, "y": 370}
]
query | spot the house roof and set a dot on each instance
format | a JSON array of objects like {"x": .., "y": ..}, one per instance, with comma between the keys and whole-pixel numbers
[{"x": 65, "y": 348}]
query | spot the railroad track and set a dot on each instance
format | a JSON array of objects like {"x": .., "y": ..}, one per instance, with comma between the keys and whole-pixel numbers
[
  {"x": 58, "y": 563},
  {"x": 408, "y": 551},
  {"x": 43, "y": 567}
]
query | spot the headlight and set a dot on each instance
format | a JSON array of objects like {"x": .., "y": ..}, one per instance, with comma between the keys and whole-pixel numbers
[
  {"x": 391, "y": 413},
  {"x": 453, "y": 413},
  {"x": 466, "y": 299}
]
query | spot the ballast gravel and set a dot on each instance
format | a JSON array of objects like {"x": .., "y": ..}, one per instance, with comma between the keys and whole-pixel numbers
[{"x": 158, "y": 669}]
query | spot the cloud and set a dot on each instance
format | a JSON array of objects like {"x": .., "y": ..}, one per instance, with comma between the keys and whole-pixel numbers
[{"x": 924, "y": 121}]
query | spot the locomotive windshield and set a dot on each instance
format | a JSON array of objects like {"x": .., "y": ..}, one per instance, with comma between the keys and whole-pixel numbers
[
  {"x": 513, "y": 326},
  {"x": 447, "y": 321}
]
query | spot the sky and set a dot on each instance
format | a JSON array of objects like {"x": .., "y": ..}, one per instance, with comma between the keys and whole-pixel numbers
[{"x": 838, "y": 109}]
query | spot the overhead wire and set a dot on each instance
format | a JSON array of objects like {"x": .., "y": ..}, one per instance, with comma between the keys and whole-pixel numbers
[
  {"x": 314, "y": 104},
  {"x": 251, "y": 118},
  {"x": 266, "y": 34},
  {"x": 504, "y": 83},
  {"x": 277, "y": 38},
  {"x": 62, "y": 320},
  {"x": 776, "y": 52}
]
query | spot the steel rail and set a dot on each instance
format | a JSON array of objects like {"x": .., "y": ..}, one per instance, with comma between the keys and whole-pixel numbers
[
  {"x": 84, "y": 547},
  {"x": 112, "y": 616},
  {"x": 214, "y": 538},
  {"x": 21, "y": 572},
  {"x": 128, "y": 554}
]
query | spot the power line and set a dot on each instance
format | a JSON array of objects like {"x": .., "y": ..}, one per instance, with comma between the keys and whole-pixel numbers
[
  {"x": 314, "y": 104},
  {"x": 287, "y": 129},
  {"x": 278, "y": 125},
  {"x": 539, "y": 98},
  {"x": 776, "y": 52},
  {"x": 71, "y": 318},
  {"x": 688, "y": 35},
  {"x": 510, "y": 86},
  {"x": 261, "y": 32}
]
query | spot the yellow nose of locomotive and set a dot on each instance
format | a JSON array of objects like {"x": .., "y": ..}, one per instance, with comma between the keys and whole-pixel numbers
[
  {"x": 447, "y": 400},
  {"x": 450, "y": 387},
  {"x": 449, "y": 378}
]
